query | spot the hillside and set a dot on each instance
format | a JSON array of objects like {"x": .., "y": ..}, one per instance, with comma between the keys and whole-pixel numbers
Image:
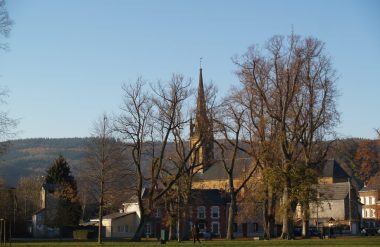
[{"x": 27, "y": 157}]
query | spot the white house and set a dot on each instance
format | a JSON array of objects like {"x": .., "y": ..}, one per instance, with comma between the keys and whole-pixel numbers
[{"x": 119, "y": 225}]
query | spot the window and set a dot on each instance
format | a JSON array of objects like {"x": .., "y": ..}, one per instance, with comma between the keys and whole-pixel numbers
[
  {"x": 215, "y": 227},
  {"x": 158, "y": 213},
  {"x": 202, "y": 227},
  {"x": 215, "y": 212},
  {"x": 120, "y": 228},
  {"x": 201, "y": 212},
  {"x": 126, "y": 228},
  {"x": 372, "y": 200},
  {"x": 255, "y": 227},
  {"x": 235, "y": 227},
  {"x": 366, "y": 200},
  {"x": 362, "y": 200},
  {"x": 148, "y": 229},
  {"x": 40, "y": 217},
  {"x": 373, "y": 213}
]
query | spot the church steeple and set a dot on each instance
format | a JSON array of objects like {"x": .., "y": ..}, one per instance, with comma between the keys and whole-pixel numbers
[
  {"x": 201, "y": 113},
  {"x": 201, "y": 131}
]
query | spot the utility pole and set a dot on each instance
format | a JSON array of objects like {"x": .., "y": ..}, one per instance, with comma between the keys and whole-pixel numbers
[{"x": 317, "y": 223}]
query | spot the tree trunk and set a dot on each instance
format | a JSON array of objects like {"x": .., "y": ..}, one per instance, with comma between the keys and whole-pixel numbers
[
  {"x": 231, "y": 216},
  {"x": 170, "y": 235},
  {"x": 266, "y": 213},
  {"x": 286, "y": 231},
  {"x": 140, "y": 229},
  {"x": 269, "y": 213},
  {"x": 178, "y": 216},
  {"x": 100, "y": 224},
  {"x": 305, "y": 220}
]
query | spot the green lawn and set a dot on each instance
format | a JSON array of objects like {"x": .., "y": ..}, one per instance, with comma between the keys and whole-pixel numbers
[{"x": 349, "y": 241}]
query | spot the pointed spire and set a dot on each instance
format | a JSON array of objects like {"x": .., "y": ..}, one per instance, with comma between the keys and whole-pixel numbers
[{"x": 201, "y": 100}]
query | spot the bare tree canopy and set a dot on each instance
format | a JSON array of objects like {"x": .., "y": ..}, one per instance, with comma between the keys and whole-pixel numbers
[
  {"x": 291, "y": 83},
  {"x": 5, "y": 23},
  {"x": 151, "y": 118}
]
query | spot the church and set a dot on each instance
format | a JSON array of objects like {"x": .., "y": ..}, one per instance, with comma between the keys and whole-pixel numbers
[{"x": 210, "y": 174}]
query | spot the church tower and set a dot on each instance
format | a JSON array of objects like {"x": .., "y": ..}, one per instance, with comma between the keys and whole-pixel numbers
[{"x": 201, "y": 132}]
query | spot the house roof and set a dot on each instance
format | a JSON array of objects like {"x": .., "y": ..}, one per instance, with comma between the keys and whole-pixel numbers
[
  {"x": 333, "y": 169},
  {"x": 208, "y": 197},
  {"x": 39, "y": 211},
  {"x": 217, "y": 171},
  {"x": 116, "y": 215},
  {"x": 335, "y": 191}
]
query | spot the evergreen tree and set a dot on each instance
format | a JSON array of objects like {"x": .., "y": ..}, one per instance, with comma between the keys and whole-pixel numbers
[{"x": 65, "y": 189}]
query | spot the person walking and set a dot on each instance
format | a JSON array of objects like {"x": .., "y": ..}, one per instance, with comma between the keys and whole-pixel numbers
[{"x": 195, "y": 233}]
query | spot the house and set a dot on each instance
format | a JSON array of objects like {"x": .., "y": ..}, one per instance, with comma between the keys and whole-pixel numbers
[
  {"x": 119, "y": 225},
  {"x": 369, "y": 197},
  {"x": 44, "y": 217},
  {"x": 338, "y": 200},
  {"x": 208, "y": 209}
]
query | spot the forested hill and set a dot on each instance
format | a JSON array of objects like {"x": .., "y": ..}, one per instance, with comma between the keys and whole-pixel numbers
[{"x": 27, "y": 157}]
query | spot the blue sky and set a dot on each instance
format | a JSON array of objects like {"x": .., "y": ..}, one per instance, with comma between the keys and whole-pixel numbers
[{"x": 68, "y": 59}]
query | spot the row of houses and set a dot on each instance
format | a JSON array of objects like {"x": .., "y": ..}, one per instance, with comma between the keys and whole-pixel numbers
[{"x": 208, "y": 208}]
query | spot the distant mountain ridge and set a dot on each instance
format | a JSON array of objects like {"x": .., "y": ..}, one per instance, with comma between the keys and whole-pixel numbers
[{"x": 27, "y": 157}]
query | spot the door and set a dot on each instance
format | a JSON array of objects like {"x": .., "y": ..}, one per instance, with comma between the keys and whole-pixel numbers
[{"x": 244, "y": 229}]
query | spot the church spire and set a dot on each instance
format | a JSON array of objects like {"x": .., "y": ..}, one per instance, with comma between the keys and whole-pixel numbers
[
  {"x": 201, "y": 131},
  {"x": 201, "y": 113}
]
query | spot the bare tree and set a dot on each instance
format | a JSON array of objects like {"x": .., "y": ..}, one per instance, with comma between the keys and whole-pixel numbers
[
  {"x": 28, "y": 195},
  {"x": 147, "y": 124},
  {"x": 103, "y": 166},
  {"x": 288, "y": 78},
  {"x": 5, "y": 23},
  {"x": 7, "y": 124},
  {"x": 230, "y": 123}
]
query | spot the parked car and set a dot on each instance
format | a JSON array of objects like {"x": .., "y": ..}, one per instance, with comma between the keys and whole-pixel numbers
[
  {"x": 370, "y": 231},
  {"x": 314, "y": 232},
  {"x": 206, "y": 235}
]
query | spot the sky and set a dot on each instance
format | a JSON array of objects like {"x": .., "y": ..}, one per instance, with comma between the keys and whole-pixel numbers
[{"x": 68, "y": 59}]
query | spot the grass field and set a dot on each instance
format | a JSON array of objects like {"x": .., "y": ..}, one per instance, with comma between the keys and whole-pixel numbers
[{"x": 349, "y": 241}]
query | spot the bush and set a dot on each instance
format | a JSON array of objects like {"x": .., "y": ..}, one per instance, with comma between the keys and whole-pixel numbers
[{"x": 81, "y": 234}]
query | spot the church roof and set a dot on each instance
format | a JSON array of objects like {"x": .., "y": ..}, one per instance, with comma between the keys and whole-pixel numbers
[
  {"x": 217, "y": 171},
  {"x": 333, "y": 169}
]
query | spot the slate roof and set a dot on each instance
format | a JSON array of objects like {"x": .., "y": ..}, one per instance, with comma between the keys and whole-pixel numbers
[
  {"x": 335, "y": 191},
  {"x": 208, "y": 197},
  {"x": 217, "y": 172},
  {"x": 333, "y": 169}
]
